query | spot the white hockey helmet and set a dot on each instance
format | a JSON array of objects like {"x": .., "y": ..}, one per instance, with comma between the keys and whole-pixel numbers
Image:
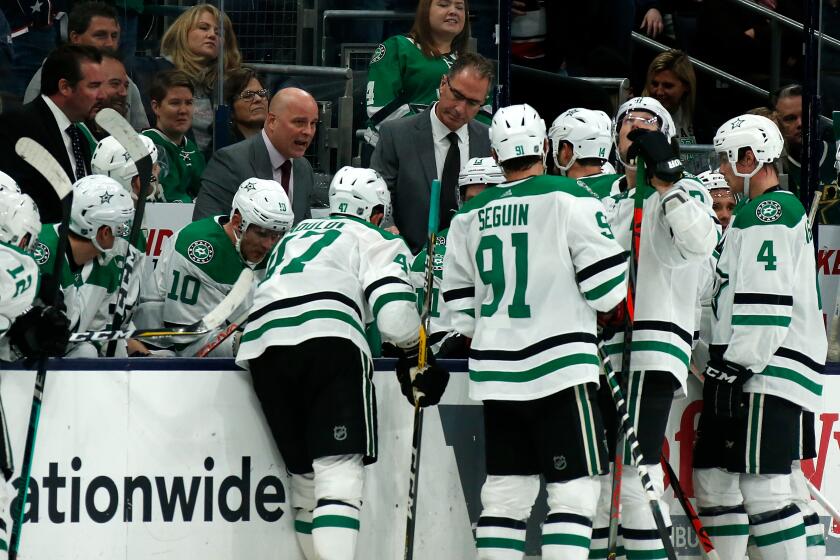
[
  {"x": 586, "y": 130},
  {"x": 356, "y": 191},
  {"x": 758, "y": 133},
  {"x": 263, "y": 203},
  {"x": 517, "y": 131},
  {"x": 19, "y": 217},
  {"x": 479, "y": 171},
  {"x": 8, "y": 184},
  {"x": 110, "y": 158},
  {"x": 100, "y": 201},
  {"x": 713, "y": 180}
]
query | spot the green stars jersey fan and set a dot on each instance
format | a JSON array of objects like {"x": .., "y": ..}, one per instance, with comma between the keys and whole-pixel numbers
[
  {"x": 329, "y": 278},
  {"x": 768, "y": 311},
  {"x": 400, "y": 70},
  {"x": 87, "y": 289},
  {"x": 527, "y": 266},
  {"x": 197, "y": 268},
  {"x": 184, "y": 165},
  {"x": 441, "y": 322},
  {"x": 679, "y": 233}
]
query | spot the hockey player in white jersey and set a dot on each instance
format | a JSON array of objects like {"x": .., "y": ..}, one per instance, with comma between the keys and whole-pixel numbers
[
  {"x": 581, "y": 142},
  {"x": 112, "y": 159},
  {"x": 305, "y": 345},
  {"x": 202, "y": 261},
  {"x": 101, "y": 212},
  {"x": 678, "y": 234},
  {"x": 531, "y": 240},
  {"x": 477, "y": 175},
  {"x": 767, "y": 355}
]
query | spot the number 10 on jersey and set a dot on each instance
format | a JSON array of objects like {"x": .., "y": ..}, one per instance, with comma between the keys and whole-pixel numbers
[{"x": 490, "y": 259}]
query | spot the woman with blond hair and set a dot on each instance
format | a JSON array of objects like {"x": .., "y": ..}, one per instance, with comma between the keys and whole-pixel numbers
[
  {"x": 191, "y": 44},
  {"x": 671, "y": 81}
]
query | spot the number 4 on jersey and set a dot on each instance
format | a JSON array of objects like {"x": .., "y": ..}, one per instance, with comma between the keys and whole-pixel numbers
[{"x": 765, "y": 255}]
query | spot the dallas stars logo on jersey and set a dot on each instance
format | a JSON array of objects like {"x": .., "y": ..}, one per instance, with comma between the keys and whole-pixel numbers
[
  {"x": 200, "y": 252},
  {"x": 41, "y": 253},
  {"x": 768, "y": 211}
]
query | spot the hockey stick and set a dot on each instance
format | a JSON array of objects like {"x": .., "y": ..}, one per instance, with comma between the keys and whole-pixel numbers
[
  {"x": 39, "y": 158},
  {"x": 213, "y": 320},
  {"x": 823, "y": 501},
  {"x": 120, "y": 129},
  {"x": 422, "y": 360},
  {"x": 618, "y": 464},
  {"x": 222, "y": 336},
  {"x": 636, "y": 452},
  {"x": 706, "y": 544}
]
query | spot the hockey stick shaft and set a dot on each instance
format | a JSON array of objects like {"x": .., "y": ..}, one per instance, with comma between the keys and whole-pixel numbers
[
  {"x": 422, "y": 360},
  {"x": 636, "y": 453},
  {"x": 52, "y": 171},
  {"x": 635, "y": 239},
  {"x": 120, "y": 129},
  {"x": 703, "y": 537},
  {"x": 222, "y": 336},
  {"x": 823, "y": 501}
]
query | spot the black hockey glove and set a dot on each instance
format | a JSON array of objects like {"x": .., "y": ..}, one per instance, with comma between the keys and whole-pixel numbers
[
  {"x": 723, "y": 388},
  {"x": 658, "y": 154},
  {"x": 41, "y": 331},
  {"x": 428, "y": 384},
  {"x": 454, "y": 347},
  {"x": 613, "y": 321}
]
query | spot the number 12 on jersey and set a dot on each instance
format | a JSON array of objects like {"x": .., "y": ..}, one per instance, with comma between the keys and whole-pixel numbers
[{"x": 490, "y": 259}]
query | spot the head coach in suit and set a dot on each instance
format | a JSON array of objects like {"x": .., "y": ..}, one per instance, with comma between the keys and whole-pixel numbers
[
  {"x": 434, "y": 144},
  {"x": 71, "y": 92},
  {"x": 276, "y": 153}
]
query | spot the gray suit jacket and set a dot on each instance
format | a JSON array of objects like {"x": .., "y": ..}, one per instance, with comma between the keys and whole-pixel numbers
[
  {"x": 405, "y": 157},
  {"x": 233, "y": 164}
]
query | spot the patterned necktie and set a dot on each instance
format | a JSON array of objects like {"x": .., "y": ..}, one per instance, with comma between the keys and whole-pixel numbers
[
  {"x": 76, "y": 141},
  {"x": 286, "y": 174},
  {"x": 449, "y": 181}
]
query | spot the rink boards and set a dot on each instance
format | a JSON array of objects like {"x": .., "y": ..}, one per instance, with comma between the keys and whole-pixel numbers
[{"x": 156, "y": 458}]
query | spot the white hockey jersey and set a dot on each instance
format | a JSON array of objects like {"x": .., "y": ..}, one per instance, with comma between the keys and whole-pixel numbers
[
  {"x": 673, "y": 248},
  {"x": 768, "y": 311},
  {"x": 197, "y": 269},
  {"x": 527, "y": 266},
  {"x": 330, "y": 278},
  {"x": 19, "y": 282}
]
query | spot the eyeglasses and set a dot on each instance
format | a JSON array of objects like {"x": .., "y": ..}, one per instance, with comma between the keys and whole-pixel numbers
[
  {"x": 649, "y": 121},
  {"x": 249, "y": 94},
  {"x": 459, "y": 97}
]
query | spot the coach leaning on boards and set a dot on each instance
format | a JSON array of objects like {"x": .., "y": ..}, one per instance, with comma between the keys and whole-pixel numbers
[
  {"x": 434, "y": 144},
  {"x": 275, "y": 153},
  {"x": 71, "y": 87}
]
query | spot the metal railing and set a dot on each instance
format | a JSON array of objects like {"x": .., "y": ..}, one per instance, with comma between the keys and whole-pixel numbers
[
  {"x": 376, "y": 15},
  {"x": 714, "y": 71},
  {"x": 339, "y": 137}
]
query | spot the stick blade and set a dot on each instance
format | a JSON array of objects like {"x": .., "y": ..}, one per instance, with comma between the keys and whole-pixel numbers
[
  {"x": 240, "y": 290},
  {"x": 119, "y": 128},
  {"x": 38, "y": 157}
]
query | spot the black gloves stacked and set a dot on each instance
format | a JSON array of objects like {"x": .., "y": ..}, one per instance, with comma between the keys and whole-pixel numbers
[
  {"x": 428, "y": 385},
  {"x": 40, "y": 332},
  {"x": 658, "y": 154},
  {"x": 723, "y": 388}
]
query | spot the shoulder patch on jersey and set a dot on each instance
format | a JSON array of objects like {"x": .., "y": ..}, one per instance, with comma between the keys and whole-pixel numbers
[
  {"x": 768, "y": 211},
  {"x": 41, "y": 253},
  {"x": 378, "y": 54},
  {"x": 200, "y": 251}
]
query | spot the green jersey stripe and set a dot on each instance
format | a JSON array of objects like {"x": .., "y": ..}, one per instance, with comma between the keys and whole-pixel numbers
[
  {"x": 565, "y": 540},
  {"x": 395, "y": 296},
  {"x": 795, "y": 376},
  {"x": 728, "y": 530},
  {"x": 664, "y": 347},
  {"x": 498, "y": 542},
  {"x": 340, "y": 521},
  {"x": 301, "y": 319},
  {"x": 534, "y": 373},
  {"x": 761, "y": 320},
  {"x": 303, "y": 527},
  {"x": 779, "y": 536},
  {"x": 605, "y": 288}
]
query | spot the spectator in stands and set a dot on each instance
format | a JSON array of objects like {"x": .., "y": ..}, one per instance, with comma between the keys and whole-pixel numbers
[
  {"x": 71, "y": 87},
  {"x": 248, "y": 100},
  {"x": 276, "y": 153},
  {"x": 95, "y": 24},
  {"x": 788, "y": 104},
  {"x": 435, "y": 145},
  {"x": 671, "y": 81},
  {"x": 191, "y": 44},
  {"x": 405, "y": 69},
  {"x": 652, "y": 23},
  {"x": 182, "y": 162}
]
